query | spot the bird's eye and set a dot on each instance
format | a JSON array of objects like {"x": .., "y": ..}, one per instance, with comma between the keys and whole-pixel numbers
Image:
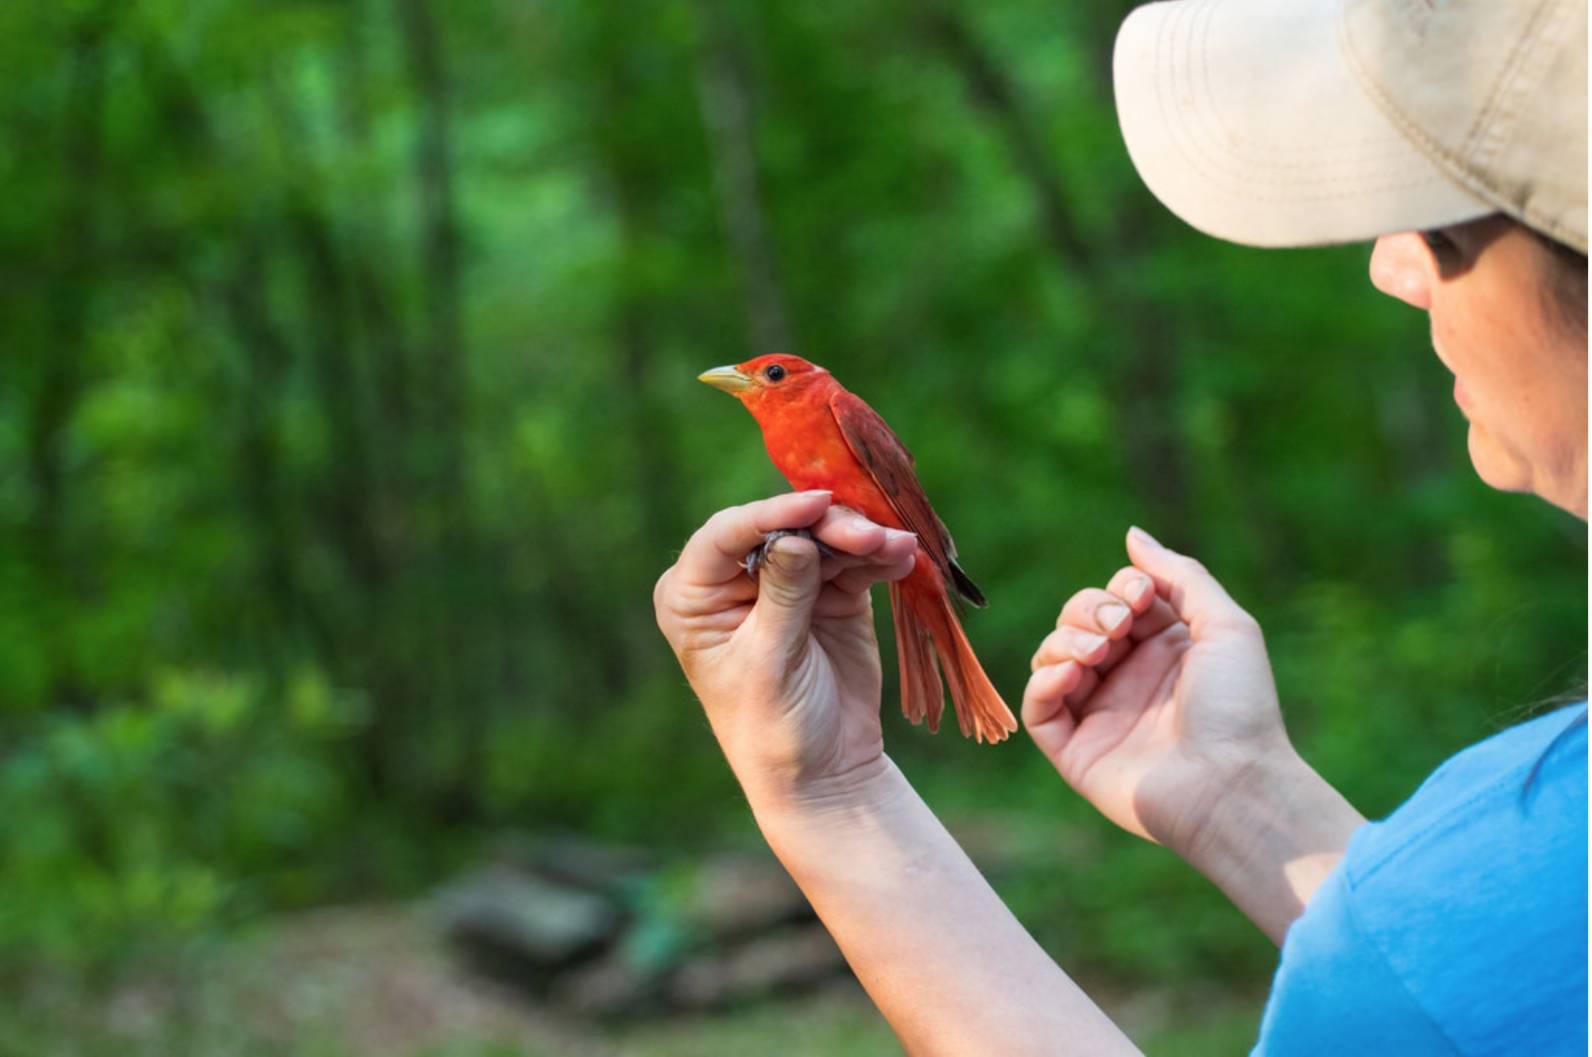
[{"x": 774, "y": 373}]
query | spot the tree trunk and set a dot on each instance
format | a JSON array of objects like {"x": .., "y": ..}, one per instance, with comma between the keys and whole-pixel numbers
[
  {"x": 73, "y": 281},
  {"x": 721, "y": 92}
]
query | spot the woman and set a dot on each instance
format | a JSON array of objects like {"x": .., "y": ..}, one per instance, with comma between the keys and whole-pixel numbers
[{"x": 1453, "y": 134}]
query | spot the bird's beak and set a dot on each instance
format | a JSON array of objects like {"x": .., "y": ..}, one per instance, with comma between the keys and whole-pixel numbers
[{"x": 726, "y": 378}]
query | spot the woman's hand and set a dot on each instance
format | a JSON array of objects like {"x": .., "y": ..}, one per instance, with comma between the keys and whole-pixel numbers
[
  {"x": 788, "y": 671},
  {"x": 787, "y": 666},
  {"x": 1153, "y": 693},
  {"x": 1154, "y": 699}
]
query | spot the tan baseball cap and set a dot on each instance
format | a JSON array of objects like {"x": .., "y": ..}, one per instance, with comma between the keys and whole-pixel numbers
[{"x": 1300, "y": 122}]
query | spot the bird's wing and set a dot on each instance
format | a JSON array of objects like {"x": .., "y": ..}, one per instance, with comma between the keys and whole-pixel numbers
[{"x": 883, "y": 455}]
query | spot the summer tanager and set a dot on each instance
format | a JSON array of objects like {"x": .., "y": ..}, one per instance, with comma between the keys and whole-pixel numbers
[{"x": 822, "y": 437}]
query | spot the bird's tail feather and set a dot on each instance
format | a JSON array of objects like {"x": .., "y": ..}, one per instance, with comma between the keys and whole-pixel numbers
[
  {"x": 922, "y": 695},
  {"x": 922, "y": 615}
]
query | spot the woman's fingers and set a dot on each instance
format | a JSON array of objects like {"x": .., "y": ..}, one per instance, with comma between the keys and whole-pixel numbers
[
  {"x": 710, "y": 581},
  {"x": 1109, "y": 610},
  {"x": 855, "y": 537},
  {"x": 1096, "y": 630},
  {"x": 717, "y": 552},
  {"x": 1070, "y": 643},
  {"x": 1125, "y": 612},
  {"x": 1192, "y": 593},
  {"x": 1045, "y": 697}
]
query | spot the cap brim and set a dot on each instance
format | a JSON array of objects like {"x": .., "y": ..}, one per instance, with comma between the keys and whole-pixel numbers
[{"x": 1243, "y": 118}]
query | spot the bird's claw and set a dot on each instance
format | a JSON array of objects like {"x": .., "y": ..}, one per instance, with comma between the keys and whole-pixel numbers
[{"x": 757, "y": 556}]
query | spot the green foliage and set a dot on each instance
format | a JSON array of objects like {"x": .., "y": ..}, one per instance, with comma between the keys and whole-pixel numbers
[
  {"x": 1377, "y": 693},
  {"x": 165, "y": 817}
]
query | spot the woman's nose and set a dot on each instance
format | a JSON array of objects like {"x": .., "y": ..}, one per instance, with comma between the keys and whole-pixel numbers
[{"x": 1401, "y": 267}]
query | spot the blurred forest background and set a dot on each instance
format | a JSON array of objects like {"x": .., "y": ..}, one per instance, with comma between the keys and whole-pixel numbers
[{"x": 348, "y": 414}]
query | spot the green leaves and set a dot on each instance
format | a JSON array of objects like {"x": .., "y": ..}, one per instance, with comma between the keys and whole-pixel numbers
[{"x": 166, "y": 816}]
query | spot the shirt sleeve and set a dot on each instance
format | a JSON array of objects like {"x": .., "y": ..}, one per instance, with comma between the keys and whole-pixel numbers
[
  {"x": 1335, "y": 994},
  {"x": 1459, "y": 924}
]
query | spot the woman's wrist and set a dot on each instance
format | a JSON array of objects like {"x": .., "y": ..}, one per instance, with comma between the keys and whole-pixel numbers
[
  {"x": 1272, "y": 838},
  {"x": 898, "y": 895},
  {"x": 790, "y": 794}
]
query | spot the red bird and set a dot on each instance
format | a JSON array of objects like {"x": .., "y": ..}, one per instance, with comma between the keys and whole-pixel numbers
[{"x": 822, "y": 437}]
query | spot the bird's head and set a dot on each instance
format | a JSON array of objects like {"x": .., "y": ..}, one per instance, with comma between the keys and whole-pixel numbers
[{"x": 773, "y": 379}]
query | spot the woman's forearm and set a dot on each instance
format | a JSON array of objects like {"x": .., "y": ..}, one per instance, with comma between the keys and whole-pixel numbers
[
  {"x": 1272, "y": 839},
  {"x": 943, "y": 958}
]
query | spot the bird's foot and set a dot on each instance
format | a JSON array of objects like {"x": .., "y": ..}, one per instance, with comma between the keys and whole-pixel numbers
[{"x": 758, "y": 556}]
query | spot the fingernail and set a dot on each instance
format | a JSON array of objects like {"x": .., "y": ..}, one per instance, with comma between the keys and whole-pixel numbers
[
  {"x": 896, "y": 534},
  {"x": 815, "y": 492},
  {"x": 1144, "y": 537},
  {"x": 1111, "y": 616},
  {"x": 1087, "y": 643},
  {"x": 784, "y": 555},
  {"x": 1136, "y": 590}
]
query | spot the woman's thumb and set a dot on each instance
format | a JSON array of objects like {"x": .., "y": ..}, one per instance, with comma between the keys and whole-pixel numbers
[
  {"x": 1188, "y": 587},
  {"x": 787, "y": 586}
]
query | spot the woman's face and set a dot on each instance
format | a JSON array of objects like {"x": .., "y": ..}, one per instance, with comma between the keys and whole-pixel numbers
[{"x": 1519, "y": 361}]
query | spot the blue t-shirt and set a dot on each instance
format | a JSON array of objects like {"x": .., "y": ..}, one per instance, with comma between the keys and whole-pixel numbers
[{"x": 1459, "y": 924}]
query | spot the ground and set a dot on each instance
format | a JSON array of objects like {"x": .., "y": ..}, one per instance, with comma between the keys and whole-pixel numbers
[{"x": 376, "y": 981}]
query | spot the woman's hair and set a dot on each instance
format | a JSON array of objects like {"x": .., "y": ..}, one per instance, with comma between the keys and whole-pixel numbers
[{"x": 1578, "y": 721}]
